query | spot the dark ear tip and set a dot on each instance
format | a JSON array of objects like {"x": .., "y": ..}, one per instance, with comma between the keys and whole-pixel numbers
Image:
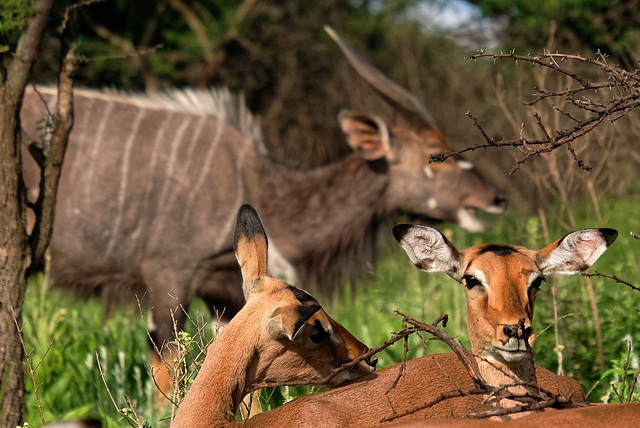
[
  {"x": 399, "y": 230},
  {"x": 609, "y": 235},
  {"x": 246, "y": 211},
  {"x": 248, "y": 224}
]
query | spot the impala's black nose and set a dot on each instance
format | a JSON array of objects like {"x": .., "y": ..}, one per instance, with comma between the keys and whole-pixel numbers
[{"x": 372, "y": 361}]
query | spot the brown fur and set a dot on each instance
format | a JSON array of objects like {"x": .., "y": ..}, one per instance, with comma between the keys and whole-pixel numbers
[
  {"x": 368, "y": 400},
  {"x": 600, "y": 415}
]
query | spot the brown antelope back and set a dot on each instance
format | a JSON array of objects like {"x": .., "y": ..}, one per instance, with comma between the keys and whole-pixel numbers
[
  {"x": 599, "y": 415},
  {"x": 281, "y": 335}
]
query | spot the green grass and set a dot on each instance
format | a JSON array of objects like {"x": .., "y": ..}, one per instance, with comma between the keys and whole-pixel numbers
[{"x": 65, "y": 337}]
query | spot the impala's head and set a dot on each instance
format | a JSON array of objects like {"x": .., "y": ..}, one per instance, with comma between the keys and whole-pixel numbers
[
  {"x": 502, "y": 281},
  {"x": 298, "y": 342},
  {"x": 451, "y": 191}
]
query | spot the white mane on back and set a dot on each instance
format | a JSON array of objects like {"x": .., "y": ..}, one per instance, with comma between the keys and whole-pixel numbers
[{"x": 217, "y": 102}]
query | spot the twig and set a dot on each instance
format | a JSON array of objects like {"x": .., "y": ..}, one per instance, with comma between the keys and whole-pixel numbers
[
  {"x": 133, "y": 411},
  {"x": 627, "y": 84},
  {"x": 632, "y": 385},
  {"x": 32, "y": 371},
  {"x": 118, "y": 409},
  {"x": 462, "y": 354},
  {"x": 613, "y": 277},
  {"x": 398, "y": 336},
  {"x": 443, "y": 396}
]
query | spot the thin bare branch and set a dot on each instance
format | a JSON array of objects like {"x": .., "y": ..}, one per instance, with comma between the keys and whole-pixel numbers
[
  {"x": 124, "y": 415},
  {"x": 613, "y": 277},
  {"x": 624, "y": 85}
]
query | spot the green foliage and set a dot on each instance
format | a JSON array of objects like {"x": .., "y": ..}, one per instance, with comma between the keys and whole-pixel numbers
[
  {"x": 609, "y": 25},
  {"x": 13, "y": 18},
  {"x": 63, "y": 336},
  {"x": 622, "y": 376},
  {"x": 64, "y": 341}
]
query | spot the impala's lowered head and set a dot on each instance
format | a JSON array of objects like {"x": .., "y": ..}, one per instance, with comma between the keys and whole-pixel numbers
[
  {"x": 502, "y": 281},
  {"x": 298, "y": 341},
  {"x": 451, "y": 191}
]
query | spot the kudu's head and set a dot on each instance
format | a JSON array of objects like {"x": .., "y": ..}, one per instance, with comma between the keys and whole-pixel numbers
[
  {"x": 502, "y": 281},
  {"x": 298, "y": 342},
  {"x": 451, "y": 191}
]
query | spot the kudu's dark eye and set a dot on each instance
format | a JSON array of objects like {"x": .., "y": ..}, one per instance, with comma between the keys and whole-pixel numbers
[{"x": 470, "y": 281}]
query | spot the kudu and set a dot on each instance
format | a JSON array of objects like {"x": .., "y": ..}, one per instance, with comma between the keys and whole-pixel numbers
[
  {"x": 281, "y": 334},
  {"x": 151, "y": 184},
  {"x": 501, "y": 283}
]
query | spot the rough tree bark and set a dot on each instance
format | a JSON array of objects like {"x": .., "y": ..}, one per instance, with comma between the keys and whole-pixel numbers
[{"x": 18, "y": 252}]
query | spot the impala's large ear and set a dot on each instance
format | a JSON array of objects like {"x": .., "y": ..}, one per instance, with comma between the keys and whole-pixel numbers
[
  {"x": 366, "y": 134},
  {"x": 286, "y": 322},
  {"x": 250, "y": 246},
  {"x": 575, "y": 252},
  {"x": 428, "y": 249}
]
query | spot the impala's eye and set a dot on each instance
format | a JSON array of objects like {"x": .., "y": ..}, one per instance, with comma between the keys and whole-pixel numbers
[
  {"x": 470, "y": 281},
  {"x": 319, "y": 336}
]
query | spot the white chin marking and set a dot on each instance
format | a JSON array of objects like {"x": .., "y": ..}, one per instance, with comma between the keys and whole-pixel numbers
[
  {"x": 510, "y": 356},
  {"x": 470, "y": 222}
]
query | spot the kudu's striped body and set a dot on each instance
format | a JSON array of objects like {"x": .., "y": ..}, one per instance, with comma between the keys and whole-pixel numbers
[
  {"x": 151, "y": 184},
  {"x": 501, "y": 285},
  {"x": 282, "y": 334}
]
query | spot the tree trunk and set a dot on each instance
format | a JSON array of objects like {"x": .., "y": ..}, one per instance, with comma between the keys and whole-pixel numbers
[
  {"x": 14, "y": 261},
  {"x": 15, "y": 251}
]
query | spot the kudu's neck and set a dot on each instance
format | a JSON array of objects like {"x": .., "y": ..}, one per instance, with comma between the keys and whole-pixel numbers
[
  {"x": 222, "y": 381},
  {"x": 335, "y": 206},
  {"x": 343, "y": 185}
]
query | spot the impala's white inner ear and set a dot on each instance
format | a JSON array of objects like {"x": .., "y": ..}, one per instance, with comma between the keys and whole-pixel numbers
[
  {"x": 575, "y": 252},
  {"x": 428, "y": 249}
]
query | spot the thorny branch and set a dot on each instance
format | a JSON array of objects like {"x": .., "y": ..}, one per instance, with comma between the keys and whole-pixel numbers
[
  {"x": 625, "y": 98},
  {"x": 530, "y": 401},
  {"x": 406, "y": 331}
]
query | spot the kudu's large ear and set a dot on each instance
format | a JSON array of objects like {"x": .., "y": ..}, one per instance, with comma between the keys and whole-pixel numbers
[
  {"x": 428, "y": 249},
  {"x": 250, "y": 245},
  {"x": 288, "y": 321},
  {"x": 575, "y": 252},
  {"x": 366, "y": 134}
]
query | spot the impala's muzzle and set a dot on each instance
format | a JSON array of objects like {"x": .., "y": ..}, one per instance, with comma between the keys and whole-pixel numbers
[
  {"x": 516, "y": 343},
  {"x": 372, "y": 361}
]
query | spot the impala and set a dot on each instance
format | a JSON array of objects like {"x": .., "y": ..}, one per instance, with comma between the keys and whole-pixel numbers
[
  {"x": 501, "y": 283},
  {"x": 282, "y": 334}
]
